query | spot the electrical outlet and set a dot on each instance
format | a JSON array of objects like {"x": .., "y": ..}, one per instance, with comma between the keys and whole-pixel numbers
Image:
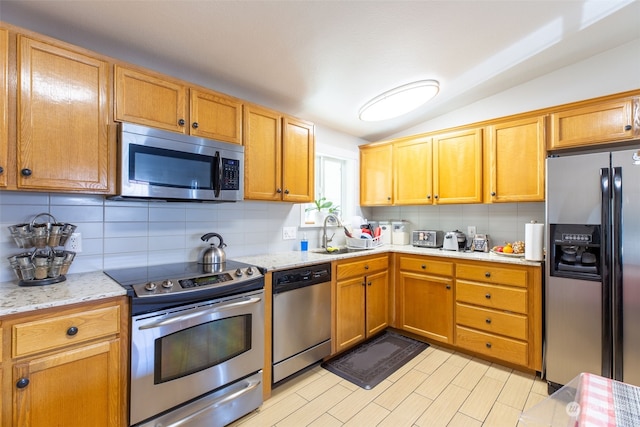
[
  {"x": 471, "y": 230},
  {"x": 289, "y": 233},
  {"x": 74, "y": 243}
]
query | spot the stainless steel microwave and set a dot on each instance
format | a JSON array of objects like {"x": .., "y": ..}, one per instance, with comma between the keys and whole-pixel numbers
[{"x": 156, "y": 164}]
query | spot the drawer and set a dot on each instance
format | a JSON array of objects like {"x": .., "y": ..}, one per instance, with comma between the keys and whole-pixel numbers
[
  {"x": 361, "y": 267},
  {"x": 506, "y": 349},
  {"x": 492, "y": 296},
  {"x": 491, "y": 273},
  {"x": 496, "y": 322},
  {"x": 61, "y": 331},
  {"x": 426, "y": 265}
]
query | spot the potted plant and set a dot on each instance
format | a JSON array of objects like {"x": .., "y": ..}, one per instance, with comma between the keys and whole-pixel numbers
[{"x": 321, "y": 207}]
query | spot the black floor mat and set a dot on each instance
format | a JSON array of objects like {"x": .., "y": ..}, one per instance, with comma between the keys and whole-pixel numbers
[{"x": 372, "y": 361}]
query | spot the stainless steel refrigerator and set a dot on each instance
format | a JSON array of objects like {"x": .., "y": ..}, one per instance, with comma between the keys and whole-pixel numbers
[{"x": 592, "y": 288}]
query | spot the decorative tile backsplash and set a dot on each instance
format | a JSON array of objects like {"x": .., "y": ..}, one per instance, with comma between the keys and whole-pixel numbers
[{"x": 119, "y": 234}]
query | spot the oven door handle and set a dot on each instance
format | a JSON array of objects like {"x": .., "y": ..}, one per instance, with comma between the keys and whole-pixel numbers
[
  {"x": 182, "y": 317},
  {"x": 250, "y": 385}
]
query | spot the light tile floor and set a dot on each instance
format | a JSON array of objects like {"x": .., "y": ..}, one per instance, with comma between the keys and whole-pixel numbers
[{"x": 439, "y": 387}]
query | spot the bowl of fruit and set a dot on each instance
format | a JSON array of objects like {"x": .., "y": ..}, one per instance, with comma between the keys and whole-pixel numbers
[{"x": 515, "y": 249}]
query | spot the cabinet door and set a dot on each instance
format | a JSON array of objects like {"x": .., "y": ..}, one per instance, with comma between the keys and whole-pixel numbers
[
  {"x": 263, "y": 154},
  {"x": 4, "y": 106},
  {"x": 607, "y": 121},
  {"x": 350, "y": 312},
  {"x": 427, "y": 305},
  {"x": 412, "y": 172},
  {"x": 298, "y": 160},
  {"x": 376, "y": 175},
  {"x": 377, "y": 302},
  {"x": 63, "y": 119},
  {"x": 515, "y": 161},
  {"x": 457, "y": 174},
  {"x": 150, "y": 100},
  {"x": 78, "y": 387},
  {"x": 216, "y": 116}
]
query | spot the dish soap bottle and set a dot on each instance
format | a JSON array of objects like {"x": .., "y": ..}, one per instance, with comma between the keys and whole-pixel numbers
[{"x": 304, "y": 243}]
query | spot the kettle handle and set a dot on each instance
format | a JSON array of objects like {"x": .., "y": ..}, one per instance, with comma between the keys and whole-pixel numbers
[{"x": 207, "y": 236}]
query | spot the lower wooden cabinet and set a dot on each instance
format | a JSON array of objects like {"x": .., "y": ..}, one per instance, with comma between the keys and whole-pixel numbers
[
  {"x": 498, "y": 312},
  {"x": 424, "y": 297},
  {"x": 361, "y": 300},
  {"x": 66, "y": 366}
]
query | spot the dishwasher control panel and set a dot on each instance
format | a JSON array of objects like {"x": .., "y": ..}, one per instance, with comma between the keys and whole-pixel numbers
[{"x": 286, "y": 280}]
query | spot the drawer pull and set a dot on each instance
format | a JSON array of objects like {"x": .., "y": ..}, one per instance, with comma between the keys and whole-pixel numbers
[
  {"x": 488, "y": 345},
  {"x": 22, "y": 383},
  {"x": 488, "y": 295},
  {"x": 72, "y": 331},
  {"x": 488, "y": 320},
  {"x": 366, "y": 267},
  {"x": 487, "y": 274},
  {"x": 448, "y": 287},
  {"x": 424, "y": 266}
]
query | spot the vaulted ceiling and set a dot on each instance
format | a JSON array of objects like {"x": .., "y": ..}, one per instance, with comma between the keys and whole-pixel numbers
[{"x": 322, "y": 60}]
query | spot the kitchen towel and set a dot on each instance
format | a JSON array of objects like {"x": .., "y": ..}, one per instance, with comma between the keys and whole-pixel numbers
[{"x": 534, "y": 241}]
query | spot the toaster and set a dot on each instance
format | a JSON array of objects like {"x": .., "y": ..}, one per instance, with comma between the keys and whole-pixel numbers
[{"x": 427, "y": 238}]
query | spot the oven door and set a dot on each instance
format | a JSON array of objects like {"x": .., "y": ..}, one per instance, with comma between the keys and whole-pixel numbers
[{"x": 185, "y": 352}]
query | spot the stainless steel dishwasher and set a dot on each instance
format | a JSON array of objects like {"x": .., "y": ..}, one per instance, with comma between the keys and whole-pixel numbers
[{"x": 301, "y": 318}]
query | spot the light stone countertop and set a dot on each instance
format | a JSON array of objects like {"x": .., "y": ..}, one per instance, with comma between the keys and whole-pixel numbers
[
  {"x": 293, "y": 259},
  {"x": 77, "y": 288},
  {"x": 97, "y": 285}
]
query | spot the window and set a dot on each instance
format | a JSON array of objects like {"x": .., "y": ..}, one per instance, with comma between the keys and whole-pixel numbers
[{"x": 333, "y": 176}]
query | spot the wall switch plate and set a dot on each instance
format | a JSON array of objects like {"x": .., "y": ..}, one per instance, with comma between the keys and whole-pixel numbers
[
  {"x": 74, "y": 243},
  {"x": 471, "y": 230},
  {"x": 289, "y": 233}
]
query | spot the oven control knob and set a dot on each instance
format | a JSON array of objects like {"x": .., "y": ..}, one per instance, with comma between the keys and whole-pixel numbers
[
  {"x": 150, "y": 286},
  {"x": 238, "y": 273},
  {"x": 250, "y": 271},
  {"x": 167, "y": 284}
]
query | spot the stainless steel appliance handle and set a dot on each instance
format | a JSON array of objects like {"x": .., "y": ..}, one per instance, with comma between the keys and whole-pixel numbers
[
  {"x": 183, "y": 317},
  {"x": 616, "y": 252},
  {"x": 218, "y": 183},
  {"x": 251, "y": 385},
  {"x": 605, "y": 265}
]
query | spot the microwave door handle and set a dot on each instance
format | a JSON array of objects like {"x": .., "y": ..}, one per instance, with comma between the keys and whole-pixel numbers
[{"x": 217, "y": 178}]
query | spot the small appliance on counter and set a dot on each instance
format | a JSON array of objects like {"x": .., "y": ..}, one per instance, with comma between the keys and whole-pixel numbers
[
  {"x": 480, "y": 243},
  {"x": 427, "y": 238},
  {"x": 454, "y": 241}
]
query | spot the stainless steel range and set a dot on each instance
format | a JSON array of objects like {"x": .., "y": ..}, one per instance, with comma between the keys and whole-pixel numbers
[{"x": 197, "y": 342}]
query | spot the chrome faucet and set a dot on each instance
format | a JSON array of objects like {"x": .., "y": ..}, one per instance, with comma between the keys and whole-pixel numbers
[{"x": 325, "y": 239}]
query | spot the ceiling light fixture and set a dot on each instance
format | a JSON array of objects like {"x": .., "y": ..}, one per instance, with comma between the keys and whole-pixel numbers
[{"x": 399, "y": 101}]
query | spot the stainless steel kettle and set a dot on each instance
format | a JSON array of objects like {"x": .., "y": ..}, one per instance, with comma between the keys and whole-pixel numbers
[{"x": 213, "y": 255}]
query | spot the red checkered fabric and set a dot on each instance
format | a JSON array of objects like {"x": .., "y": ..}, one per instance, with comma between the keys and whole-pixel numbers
[{"x": 595, "y": 397}]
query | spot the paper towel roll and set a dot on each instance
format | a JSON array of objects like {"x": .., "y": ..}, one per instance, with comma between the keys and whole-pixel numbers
[{"x": 534, "y": 242}]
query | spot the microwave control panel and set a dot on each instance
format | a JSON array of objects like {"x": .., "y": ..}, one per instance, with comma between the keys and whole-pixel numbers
[{"x": 230, "y": 174}]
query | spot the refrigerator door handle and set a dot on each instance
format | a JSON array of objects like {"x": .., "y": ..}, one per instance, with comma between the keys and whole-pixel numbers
[
  {"x": 616, "y": 257},
  {"x": 605, "y": 261}
]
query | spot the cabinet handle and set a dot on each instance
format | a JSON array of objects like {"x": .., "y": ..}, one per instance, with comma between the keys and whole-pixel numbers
[
  {"x": 487, "y": 274},
  {"x": 279, "y": 190},
  {"x": 181, "y": 122},
  {"x": 448, "y": 286},
  {"x": 628, "y": 127},
  {"x": 488, "y": 345},
  {"x": 488, "y": 320},
  {"x": 22, "y": 383},
  {"x": 369, "y": 284},
  {"x": 26, "y": 172},
  {"x": 194, "y": 125},
  {"x": 364, "y": 283},
  {"x": 388, "y": 198},
  {"x": 286, "y": 191},
  {"x": 428, "y": 196},
  {"x": 488, "y": 295},
  {"x": 72, "y": 331},
  {"x": 493, "y": 193},
  {"x": 1, "y": 169},
  {"x": 424, "y": 266},
  {"x": 435, "y": 197},
  {"x": 366, "y": 267}
]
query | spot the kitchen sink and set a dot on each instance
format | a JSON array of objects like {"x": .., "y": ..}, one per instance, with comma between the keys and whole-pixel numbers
[{"x": 338, "y": 251}]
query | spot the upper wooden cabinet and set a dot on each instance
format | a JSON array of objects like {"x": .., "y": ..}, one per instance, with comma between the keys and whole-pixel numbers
[
  {"x": 279, "y": 156},
  {"x": 514, "y": 161},
  {"x": 457, "y": 167},
  {"x": 63, "y": 118},
  {"x": 376, "y": 175},
  {"x": 595, "y": 123},
  {"x": 159, "y": 101},
  {"x": 4, "y": 106},
  {"x": 413, "y": 171}
]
